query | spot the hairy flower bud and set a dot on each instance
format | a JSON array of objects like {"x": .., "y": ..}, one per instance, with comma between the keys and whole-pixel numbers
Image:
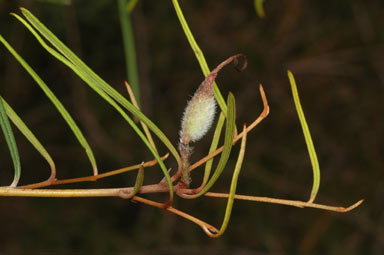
[{"x": 199, "y": 115}]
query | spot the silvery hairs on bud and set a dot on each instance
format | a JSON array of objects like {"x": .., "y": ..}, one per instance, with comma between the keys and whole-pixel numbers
[{"x": 199, "y": 114}]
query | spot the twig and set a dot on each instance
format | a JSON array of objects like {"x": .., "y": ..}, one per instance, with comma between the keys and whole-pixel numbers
[
  {"x": 199, "y": 222},
  {"x": 92, "y": 178},
  {"x": 145, "y": 128},
  {"x": 296, "y": 203}
]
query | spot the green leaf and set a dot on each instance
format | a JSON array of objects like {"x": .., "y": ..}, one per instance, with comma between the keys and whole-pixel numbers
[
  {"x": 232, "y": 191},
  {"x": 10, "y": 139},
  {"x": 308, "y": 139},
  {"x": 199, "y": 54},
  {"x": 79, "y": 66},
  {"x": 131, "y": 5},
  {"x": 212, "y": 148},
  {"x": 101, "y": 87},
  {"x": 259, "y": 8},
  {"x": 59, "y": 106},
  {"x": 29, "y": 135},
  {"x": 129, "y": 48},
  {"x": 62, "y": 2}
]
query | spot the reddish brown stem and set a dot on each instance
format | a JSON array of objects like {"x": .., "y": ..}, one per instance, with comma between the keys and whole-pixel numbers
[
  {"x": 296, "y": 203},
  {"x": 90, "y": 178},
  {"x": 171, "y": 209}
]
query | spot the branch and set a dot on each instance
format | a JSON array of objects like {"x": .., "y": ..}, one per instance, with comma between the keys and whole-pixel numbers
[
  {"x": 296, "y": 203},
  {"x": 92, "y": 178}
]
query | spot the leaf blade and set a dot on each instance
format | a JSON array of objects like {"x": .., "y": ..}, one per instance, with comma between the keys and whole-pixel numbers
[
  {"x": 232, "y": 191},
  {"x": 129, "y": 47},
  {"x": 308, "y": 139},
  {"x": 198, "y": 54},
  {"x": 56, "y": 102},
  {"x": 98, "y": 80},
  {"x": 11, "y": 142},
  {"x": 107, "y": 92},
  {"x": 259, "y": 8},
  {"x": 19, "y": 123}
]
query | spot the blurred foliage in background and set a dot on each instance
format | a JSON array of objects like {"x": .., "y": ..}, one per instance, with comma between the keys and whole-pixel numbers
[{"x": 334, "y": 48}]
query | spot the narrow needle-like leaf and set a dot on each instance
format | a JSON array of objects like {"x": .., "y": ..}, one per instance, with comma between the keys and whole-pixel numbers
[
  {"x": 30, "y": 136},
  {"x": 107, "y": 92},
  {"x": 232, "y": 191},
  {"x": 59, "y": 106},
  {"x": 308, "y": 139},
  {"x": 10, "y": 139},
  {"x": 213, "y": 147},
  {"x": 131, "y": 4},
  {"x": 61, "y": 2},
  {"x": 198, "y": 53},
  {"x": 91, "y": 78},
  {"x": 259, "y": 8},
  {"x": 129, "y": 47}
]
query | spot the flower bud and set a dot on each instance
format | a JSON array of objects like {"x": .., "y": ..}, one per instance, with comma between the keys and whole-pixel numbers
[{"x": 198, "y": 116}]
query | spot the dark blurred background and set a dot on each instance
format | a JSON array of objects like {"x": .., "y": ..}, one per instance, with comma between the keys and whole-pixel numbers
[{"x": 334, "y": 48}]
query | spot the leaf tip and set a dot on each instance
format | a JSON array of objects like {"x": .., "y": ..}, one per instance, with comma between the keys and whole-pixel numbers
[{"x": 259, "y": 8}]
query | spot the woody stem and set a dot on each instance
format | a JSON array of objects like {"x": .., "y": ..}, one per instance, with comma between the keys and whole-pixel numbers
[{"x": 184, "y": 154}]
